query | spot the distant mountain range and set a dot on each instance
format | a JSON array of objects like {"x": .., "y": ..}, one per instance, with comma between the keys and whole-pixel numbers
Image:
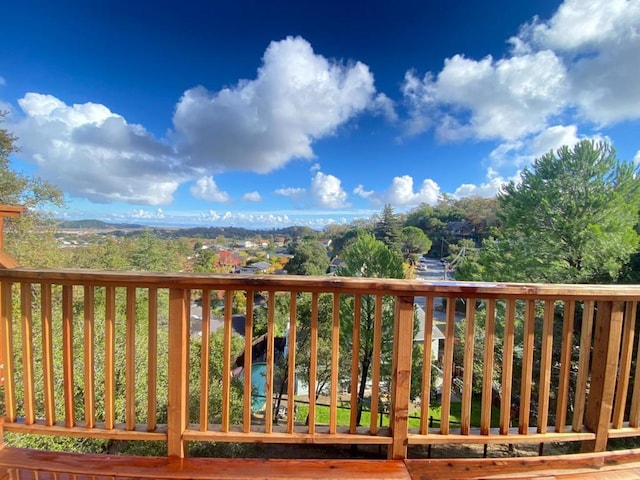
[{"x": 190, "y": 232}]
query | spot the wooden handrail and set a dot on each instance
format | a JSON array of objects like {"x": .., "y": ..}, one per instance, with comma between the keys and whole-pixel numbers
[{"x": 515, "y": 318}]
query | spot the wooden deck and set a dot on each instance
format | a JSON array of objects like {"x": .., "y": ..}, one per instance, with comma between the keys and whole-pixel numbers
[{"x": 41, "y": 465}]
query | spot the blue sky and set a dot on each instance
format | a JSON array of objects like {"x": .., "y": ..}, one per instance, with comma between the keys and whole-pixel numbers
[{"x": 268, "y": 114}]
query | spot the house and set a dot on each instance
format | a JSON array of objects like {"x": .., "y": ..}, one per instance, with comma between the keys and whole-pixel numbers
[
  {"x": 336, "y": 263},
  {"x": 254, "y": 268},
  {"x": 436, "y": 335}
]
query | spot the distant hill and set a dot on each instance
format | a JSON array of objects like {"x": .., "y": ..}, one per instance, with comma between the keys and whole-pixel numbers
[
  {"x": 130, "y": 229},
  {"x": 96, "y": 225}
]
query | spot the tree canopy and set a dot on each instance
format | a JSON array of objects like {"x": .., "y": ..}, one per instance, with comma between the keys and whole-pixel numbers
[
  {"x": 309, "y": 258},
  {"x": 570, "y": 219}
]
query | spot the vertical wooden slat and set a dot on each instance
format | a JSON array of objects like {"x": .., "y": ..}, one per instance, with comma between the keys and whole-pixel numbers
[
  {"x": 109, "y": 357},
  {"x": 313, "y": 363},
  {"x": 179, "y": 371},
  {"x": 355, "y": 362},
  {"x": 376, "y": 360},
  {"x": 7, "y": 352},
  {"x": 625, "y": 364},
  {"x": 487, "y": 371},
  {"x": 291, "y": 372},
  {"x": 401, "y": 377},
  {"x": 226, "y": 361},
  {"x": 130, "y": 360},
  {"x": 271, "y": 328},
  {"x": 152, "y": 361},
  {"x": 527, "y": 367},
  {"x": 67, "y": 354},
  {"x": 248, "y": 361},
  {"x": 634, "y": 413},
  {"x": 467, "y": 379},
  {"x": 507, "y": 366},
  {"x": 427, "y": 356},
  {"x": 47, "y": 356},
  {"x": 545, "y": 366},
  {"x": 606, "y": 348},
  {"x": 335, "y": 339},
  {"x": 27, "y": 353},
  {"x": 447, "y": 375},
  {"x": 583, "y": 365},
  {"x": 89, "y": 357},
  {"x": 204, "y": 359},
  {"x": 565, "y": 365}
]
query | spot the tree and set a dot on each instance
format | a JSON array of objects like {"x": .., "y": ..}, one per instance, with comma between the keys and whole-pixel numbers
[
  {"x": 368, "y": 257},
  {"x": 30, "y": 238},
  {"x": 309, "y": 258},
  {"x": 570, "y": 220},
  {"x": 414, "y": 242},
  {"x": 388, "y": 229}
]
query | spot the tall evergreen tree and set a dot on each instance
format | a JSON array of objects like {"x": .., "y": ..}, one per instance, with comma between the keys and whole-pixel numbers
[{"x": 388, "y": 229}]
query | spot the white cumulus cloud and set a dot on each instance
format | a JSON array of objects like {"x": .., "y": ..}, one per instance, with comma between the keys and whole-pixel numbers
[
  {"x": 260, "y": 125},
  {"x": 205, "y": 188},
  {"x": 401, "y": 193},
  {"x": 580, "y": 64},
  {"x": 324, "y": 191},
  {"x": 91, "y": 152},
  {"x": 252, "y": 197}
]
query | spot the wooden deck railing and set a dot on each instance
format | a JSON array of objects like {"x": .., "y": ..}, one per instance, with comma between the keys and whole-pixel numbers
[{"x": 115, "y": 355}]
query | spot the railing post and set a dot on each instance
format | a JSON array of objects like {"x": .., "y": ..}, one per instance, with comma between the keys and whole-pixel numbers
[
  {"x": 401, "y": 377},
  {"x": 178, "y": 371},
  {"x": 606, "y": 350}
]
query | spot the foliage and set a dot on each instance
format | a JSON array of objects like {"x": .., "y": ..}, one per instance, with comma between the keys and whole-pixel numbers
[
  {"x": 29, "y": 238},
  {"x": 388, "y": 229},
  {"x": 309, "y": 258},
  {"x": 570, "y": 220},
  {"x": 414, "y": 242}
]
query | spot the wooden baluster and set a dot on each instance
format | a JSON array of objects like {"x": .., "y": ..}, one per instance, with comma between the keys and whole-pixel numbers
[
  {"x": 625, "y": 364},
  {"x": 248, "y": 361},
  {"x": 47, "y": 356},
  {"x": 527, "y": 367},
  {"x": 565, "y": 365},
  {"x": 89, "y": 357},
  {"x": 6, "y": 312},
  {"x": 447, "y": 370},
  {"x": 507, "y": 366},
  {"x": 179, "y": 317},
  {"x": 109, "y": 357},
  {"x": 355, "y": 362},
  {"x": 313, "y": 363},
  {"x": 487, "y": 371},
  {"x": 376, "y": 360},
  {"x": 545, "y": 366},
  {"x": 271, "y": 320},
  {"x": 291, "y": 374},
  {"x": 606, "y": 348},
  {"x": 335, "y": 339},
  {"x": 401, "y": 378},
  {"x": 204, "y": 359},
  {"x": 152, "y": 361},
  {"x": 427, "y": 356},
  {"x": 226, "y": 361},
  {"x": 27, "y": 353},
  {"x": 583, "y": 365},
  {"x": 130, "y": 360},
  {"x": 67, "y": 355},
  {"x": 467, "y": 378}
]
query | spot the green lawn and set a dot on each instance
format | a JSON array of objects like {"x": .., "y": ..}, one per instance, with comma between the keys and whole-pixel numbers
[{"x": 322, "y": 415}]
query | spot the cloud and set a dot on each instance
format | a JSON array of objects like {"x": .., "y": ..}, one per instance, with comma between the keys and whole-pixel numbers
[
  {"x": 487, "y": 99},
  {"x": 260, "y": 125},
  {"x": 91, "y": 152},
  {"x": 401, "y": 193},
  {"x": 582, "y": 63},
  {"x": 252, "y": 197},
  {"x": 636, "y": 158},
  {"x": 490, "y": 188},
  {"x": 3, "y": 82},
  {"x": 146, "y": 215},
  {"x": 205, "y": 188},
  {"x": 324, "y": 191}
]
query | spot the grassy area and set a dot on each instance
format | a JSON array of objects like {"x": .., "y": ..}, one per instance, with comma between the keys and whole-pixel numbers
[{"x": 343, "y": 417}]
